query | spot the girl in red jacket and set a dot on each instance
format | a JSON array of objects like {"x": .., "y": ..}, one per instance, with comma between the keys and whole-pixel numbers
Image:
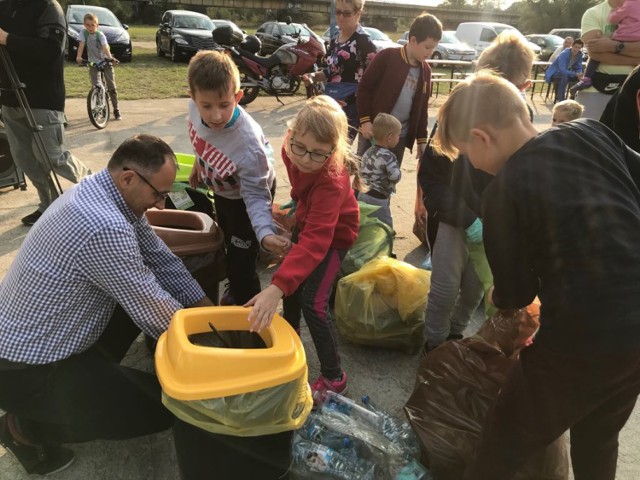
[{"x": 316, "y": 152}]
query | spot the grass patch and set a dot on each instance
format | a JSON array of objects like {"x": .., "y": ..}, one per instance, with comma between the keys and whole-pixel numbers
[
  {"x": 143, "y": 33},
  {"x": 147, "y": 76}
]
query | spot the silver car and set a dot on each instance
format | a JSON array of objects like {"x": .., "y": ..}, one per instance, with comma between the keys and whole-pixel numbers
[
  {"x": 449, "y": 48},
  {"x": 379, "y": 39}
]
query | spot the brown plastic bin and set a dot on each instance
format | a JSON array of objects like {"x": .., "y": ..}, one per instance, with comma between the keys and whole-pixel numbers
[{"x": 196, "y": 238}]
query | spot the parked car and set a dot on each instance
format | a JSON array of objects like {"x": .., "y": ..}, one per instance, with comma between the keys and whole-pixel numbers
[
  {"x": 235, "y": 29},
  {"x": 115, "y": 31},
  {"x": 182, "y": 33},
  {"x": 275, "y": 34},
  {"x": 547, "y": 43},
  {"x": 449, "y": 47},
  {"x": 479, "y": 35},
  {"x": 566, "y": 32},
  {"x": 379, "y": 39}
]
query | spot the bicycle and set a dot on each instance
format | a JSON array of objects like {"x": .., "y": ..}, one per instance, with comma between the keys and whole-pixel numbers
[{"x": 98, "y": 98}]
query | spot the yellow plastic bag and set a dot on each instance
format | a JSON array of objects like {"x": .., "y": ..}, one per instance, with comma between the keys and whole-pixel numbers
[
  {"x": 263, "y": 412},
  {"x": 382, "y": 304}
]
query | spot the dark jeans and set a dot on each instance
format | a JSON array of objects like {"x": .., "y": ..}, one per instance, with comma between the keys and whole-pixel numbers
[
  {"x": 351, "y": 112},
  {"x": 562, "y": 82},
  {"x": 242, "y": 248},
  {"x": 87, "y": 396},
  {"x": 312, "y": 299},
  {"x": 547, "y": 393}
]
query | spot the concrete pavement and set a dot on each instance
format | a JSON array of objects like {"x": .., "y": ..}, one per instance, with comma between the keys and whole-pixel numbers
[{"x": 387, "y": 376}]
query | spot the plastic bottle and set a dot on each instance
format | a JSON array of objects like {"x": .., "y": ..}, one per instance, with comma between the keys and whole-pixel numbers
[
  {"x": 393, "y": 429},
  {"x": 320, "y": 433},
  {"x": 412, "y": 471},
  {"x": 313, "y": 457},
  {"x": 335, "y": 401}
]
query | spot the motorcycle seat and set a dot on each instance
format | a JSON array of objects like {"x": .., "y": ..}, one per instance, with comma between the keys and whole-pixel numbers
[{"x": 268, "y": 62}]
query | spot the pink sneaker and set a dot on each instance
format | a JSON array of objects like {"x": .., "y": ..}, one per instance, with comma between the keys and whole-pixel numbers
[{"x": 322, "y": 385}]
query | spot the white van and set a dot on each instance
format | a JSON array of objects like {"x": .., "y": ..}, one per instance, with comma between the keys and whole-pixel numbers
[{"x": 479, "y": 35}]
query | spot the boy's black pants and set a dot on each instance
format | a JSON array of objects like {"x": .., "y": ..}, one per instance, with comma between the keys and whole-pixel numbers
[
  {"x": 242, "y": 248},
  {"x": 88, "y": 396}
]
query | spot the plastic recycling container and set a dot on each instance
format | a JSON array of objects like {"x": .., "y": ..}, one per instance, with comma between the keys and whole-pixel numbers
[
  {"x": 237, "y": 395},
  {"x": 197, "y": 240}
]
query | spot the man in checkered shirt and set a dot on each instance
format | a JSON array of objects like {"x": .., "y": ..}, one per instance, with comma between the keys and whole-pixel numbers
[{"x": 89, "y": 277}]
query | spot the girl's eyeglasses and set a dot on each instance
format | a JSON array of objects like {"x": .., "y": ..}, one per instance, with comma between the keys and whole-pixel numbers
[{"x": 301, "y": 151}]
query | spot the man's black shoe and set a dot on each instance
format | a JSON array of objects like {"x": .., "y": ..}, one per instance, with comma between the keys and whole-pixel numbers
[
  {"x": 35, "y": 459},
  {"x": 32, "y": 218}
]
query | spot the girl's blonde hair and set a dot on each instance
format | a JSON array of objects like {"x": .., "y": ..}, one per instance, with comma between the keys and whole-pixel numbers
[{"x": 323, "y": 117}]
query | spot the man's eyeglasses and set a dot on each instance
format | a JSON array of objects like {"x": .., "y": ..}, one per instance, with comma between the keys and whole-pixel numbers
[
  {"x": 301, "y": 151},
  {"x": 161, "y": 196},
  {"x": 345, "y": 13}
]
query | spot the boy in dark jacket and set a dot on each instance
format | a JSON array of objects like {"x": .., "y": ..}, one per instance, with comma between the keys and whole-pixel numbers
[{"x": 561, "y": 221}]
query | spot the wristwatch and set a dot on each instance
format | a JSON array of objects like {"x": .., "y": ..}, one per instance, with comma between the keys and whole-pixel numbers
[{"x": 619, "y": 47}]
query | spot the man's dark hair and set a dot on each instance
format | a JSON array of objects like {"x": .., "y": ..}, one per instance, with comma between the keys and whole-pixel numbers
[
  {"x": 146, "y": 152},
  {"x": 425, "y": 26},
  {"x": 578, "y": 41}
]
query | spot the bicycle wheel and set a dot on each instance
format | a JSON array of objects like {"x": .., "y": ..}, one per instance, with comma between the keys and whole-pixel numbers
[{"x": 98, "y": 107}]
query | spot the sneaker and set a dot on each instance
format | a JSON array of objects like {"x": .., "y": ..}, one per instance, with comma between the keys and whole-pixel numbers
[
  {"x": 31, "y": 218},
  {"x": 117, "y": 115},
  {"x": 581, "y": 85},
  {"x": 37, "y": 460},
  {"x": 322, "y": 385}
]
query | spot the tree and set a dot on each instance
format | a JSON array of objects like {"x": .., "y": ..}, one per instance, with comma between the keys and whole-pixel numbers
[{"x": 540, "y": 16}]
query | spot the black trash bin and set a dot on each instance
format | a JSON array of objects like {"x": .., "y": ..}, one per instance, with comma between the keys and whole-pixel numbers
[{"x": 206, "y": 455}]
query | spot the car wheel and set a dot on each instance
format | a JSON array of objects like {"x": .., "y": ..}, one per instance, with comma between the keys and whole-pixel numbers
[
  {"x": 436, "y": 56},
  {"x": 174, "y": 53},
  {"x": 159, "y": 48}
]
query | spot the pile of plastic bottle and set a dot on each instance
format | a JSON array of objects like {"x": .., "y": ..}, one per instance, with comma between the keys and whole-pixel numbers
[{"x": 346, "y": 440}]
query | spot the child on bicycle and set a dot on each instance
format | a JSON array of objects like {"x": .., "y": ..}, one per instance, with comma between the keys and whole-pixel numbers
[
  {"x": 97, "y": 51},
  {"x": 235, "y": 160},
  {"x": 316, "y": 153}
]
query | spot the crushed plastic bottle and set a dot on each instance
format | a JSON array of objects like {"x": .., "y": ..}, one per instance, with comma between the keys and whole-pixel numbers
[
  {"x": 321, "y": 433},
  {"x": 314, "y": 457},
  {"x": 413, "y": 471},
  {"x": 393, "y": 429},
  {"x": 335, "y": 401}
]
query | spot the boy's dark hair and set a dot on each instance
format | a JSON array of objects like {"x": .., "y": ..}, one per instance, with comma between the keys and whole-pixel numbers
[
  {"x": 425, "y": 26},
  {"x": 211, "y": 70},
  {"x": 146, "y": 152},
  {"x": 578, "y": 41}
]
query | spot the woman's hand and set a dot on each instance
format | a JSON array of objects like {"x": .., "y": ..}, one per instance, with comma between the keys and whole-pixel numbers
[{"x": 264, "y": 308}]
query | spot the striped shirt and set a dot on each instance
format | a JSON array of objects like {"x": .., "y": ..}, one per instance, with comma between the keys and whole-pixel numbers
[{"x": 87, "y": 253}]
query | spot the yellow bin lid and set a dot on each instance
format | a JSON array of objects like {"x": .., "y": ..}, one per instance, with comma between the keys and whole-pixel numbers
[{"x": 191, "y": 372}]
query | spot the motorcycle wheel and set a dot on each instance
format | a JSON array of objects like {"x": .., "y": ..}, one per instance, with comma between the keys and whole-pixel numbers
[{"x": 249, "y": 92}]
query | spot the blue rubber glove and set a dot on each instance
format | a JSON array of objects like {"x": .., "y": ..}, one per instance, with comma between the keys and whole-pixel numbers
[
  {"x": 291, "y": 205},
  {"x": 474, "y": 231}
]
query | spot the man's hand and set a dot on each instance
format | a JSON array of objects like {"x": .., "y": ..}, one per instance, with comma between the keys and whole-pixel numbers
[
  {"x": 3, "y": 37},
  {"x": 601, "y": 45},
  {"x": 366, "y": 129},
  {"x": 276, "y": 244},
  {"x": 264, "y": 308}
]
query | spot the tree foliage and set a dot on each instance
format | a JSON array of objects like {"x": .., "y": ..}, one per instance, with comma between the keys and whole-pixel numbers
[{"x": 540, "y": 16}]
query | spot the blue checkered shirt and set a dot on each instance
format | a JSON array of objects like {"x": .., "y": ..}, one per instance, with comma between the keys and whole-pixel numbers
[{"x": 85, "y": 254}]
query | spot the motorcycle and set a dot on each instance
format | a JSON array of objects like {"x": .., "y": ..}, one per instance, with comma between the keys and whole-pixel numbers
[{"x": 278, "y": 74}]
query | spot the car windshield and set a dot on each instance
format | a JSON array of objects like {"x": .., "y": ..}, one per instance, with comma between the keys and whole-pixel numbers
[
  {"x": 105, "y": 17},
  {"x": 195, "y": 23},
  {"x": 556, "y": 41},
  {"x": 293, "y": 29},
  {"x": 376, "y": 34},
  {"x": 449, "y": 37}
]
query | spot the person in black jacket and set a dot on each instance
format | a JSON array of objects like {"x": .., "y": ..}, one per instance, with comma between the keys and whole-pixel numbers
[
  {"x": 561, "y": 222},
  {"x": 622, "y": 114},
  {"x": 33, "y": 33}
]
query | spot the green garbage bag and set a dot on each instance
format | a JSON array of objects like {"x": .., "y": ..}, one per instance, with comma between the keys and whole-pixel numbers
[{"x": 483, "y": 271}]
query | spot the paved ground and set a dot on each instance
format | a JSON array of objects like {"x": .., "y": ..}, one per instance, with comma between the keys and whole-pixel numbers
[{"x": 386, "y": 376}]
